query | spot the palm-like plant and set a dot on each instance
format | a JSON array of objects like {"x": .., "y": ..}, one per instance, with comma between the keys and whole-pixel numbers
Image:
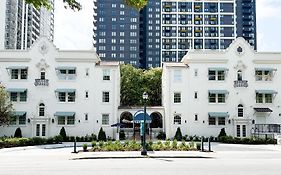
[
  {"x": 136, "y": 4},
  {"x": 6, "y": 107}
]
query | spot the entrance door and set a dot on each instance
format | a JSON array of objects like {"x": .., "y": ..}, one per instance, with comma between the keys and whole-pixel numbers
[
  {"x": 241, "y": 131},
  {"x": 40, "y": 130}
]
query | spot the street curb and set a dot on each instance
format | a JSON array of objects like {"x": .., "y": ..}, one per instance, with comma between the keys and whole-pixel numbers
[{"x": 144, "y": 157}]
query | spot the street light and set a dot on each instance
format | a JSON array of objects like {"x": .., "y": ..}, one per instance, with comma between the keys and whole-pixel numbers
[{"x": 143, "y": 151}]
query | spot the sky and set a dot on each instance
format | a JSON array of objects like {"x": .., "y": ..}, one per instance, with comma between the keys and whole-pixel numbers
[{"x": 74, "y": 30}]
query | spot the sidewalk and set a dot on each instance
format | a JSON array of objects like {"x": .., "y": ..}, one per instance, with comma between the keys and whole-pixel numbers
[{"x": 137, "y": 155}]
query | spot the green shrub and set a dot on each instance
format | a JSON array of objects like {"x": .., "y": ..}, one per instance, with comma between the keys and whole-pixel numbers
[
  {"x": 63, "y": 134},
  {"x": 161, "y": 135},
  {"x": 18, "y": 133},
  {"x": 85, "y": 146},
  {"x": 93, "y": 137},
  {"x": 222, "y": 133},
  {"x": 122, "y": 135},
  {"x": 94, "y": 144},
  {"x": 178, "y": 135},
  {"x": 58, "y": 139},
  {"x": 174, "y": 144},
  {"x": 101, "y": 135},
  {"x": 50, "y": 140}
]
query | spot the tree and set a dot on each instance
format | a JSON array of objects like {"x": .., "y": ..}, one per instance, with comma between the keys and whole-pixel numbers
[
  {"x": 222, "y": 133},
  {"x": 178, "y": 135},
  {"x": 6, "y": 107},
  {"x": 72, "y": 4},
  {"x": 102, "y": 135},
  {"x": 18, "y": 133},
  {"x": 136, "y": 4},
  {"x": 63, "y": 134},
  {"x": 136, "y": 81}
]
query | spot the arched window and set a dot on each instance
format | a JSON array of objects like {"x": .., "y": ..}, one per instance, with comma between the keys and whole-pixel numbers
[
  {"x": 240, "y": 110},
  {"x": 177, "y": 119},
  {"x": 239, "y": 75},
  {"x": 42, "y": 74},
  {"x": 41, "y": 109}
]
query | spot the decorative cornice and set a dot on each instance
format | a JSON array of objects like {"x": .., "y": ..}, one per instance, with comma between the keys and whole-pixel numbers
[
  {"x": 91, "y": 60},
  {"x": 207, "y": 61},
  {"x": 267, "y": 61},
  {"x": 15, "y": 59}
]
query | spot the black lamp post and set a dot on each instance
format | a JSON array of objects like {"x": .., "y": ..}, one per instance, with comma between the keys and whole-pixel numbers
[{"x": 143, "y": 151}]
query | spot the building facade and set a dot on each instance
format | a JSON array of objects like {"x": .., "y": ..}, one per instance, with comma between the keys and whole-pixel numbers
[
  {"x": 51, "y": 89},
  {"x": 237, "y": 89},
  {"x": 21, "y": 24}
]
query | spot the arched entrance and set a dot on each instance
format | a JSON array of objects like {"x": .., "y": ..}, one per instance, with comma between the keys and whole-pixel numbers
[
  {"x": 126, "y": 118},
  {"x": 156, "y": 125}
]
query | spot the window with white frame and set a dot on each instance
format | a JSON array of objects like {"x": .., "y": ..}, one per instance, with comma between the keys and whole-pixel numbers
[
  {"x": 105, "y": 119},
  {"x": 66, "y": 120},
  {"x": 86, "y": 94},
  {"x": 196, "y": 117},
  {"x": 217, "y": 97},
  {"x": 240, "y": 110},
  {"x": 105, "y": 97},
  {"x": 264, "y": 98},
  {"x": 216, "y": 74},
  {"x": 177, "y": 97},
  {"x": 212, "y": 120},
  {"x": 264, "y": 74},
  {"x": 18, "y": 73},
  {"x": 86, "y": 116},
  {"x": 66, "y": 73},
  {"x": 106, "y": 74},
  {"x": 177, "y": 75},
  {"x": 18, "y": 96},
  {"x": 177, "y": 119},
  {"x": 66, "y": 96},
  {"x": 221, "y": 120}
]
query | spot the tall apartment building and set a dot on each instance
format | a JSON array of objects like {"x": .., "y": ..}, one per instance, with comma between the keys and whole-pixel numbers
[
  {"x": 21, "y": 24},
  {"x": 183, "y": 24},
  {"x": 124, "y": 34}
]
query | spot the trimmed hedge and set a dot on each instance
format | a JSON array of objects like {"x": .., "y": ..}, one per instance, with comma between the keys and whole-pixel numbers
[
  {"x": 252, "y": 140},
  {"x": 15, "y": 142}
]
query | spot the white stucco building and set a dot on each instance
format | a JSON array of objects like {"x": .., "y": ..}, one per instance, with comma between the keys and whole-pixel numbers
[
  {"x": 237, "y": 89},
  {"x": 52, "y": 88}
]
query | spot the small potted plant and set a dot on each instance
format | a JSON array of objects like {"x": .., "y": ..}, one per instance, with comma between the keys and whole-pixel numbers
[{"x": 85, "y": 146}]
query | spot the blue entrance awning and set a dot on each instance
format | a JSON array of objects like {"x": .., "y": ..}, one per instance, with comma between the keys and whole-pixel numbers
[
  {"x": 139, "y": 117},
  {"x": 218, "y": 114},
  {"x": 19, "y": 113},
  {"x": 218, "y": 91},
  {"x": 63, "y": 114},
  {"x": 266, "y": 92},
  {"x": 16, "y": 90},
  {"x": 65, "y": 90}
]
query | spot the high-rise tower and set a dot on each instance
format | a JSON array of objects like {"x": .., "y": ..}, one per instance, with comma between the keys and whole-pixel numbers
[{"x": 21, "y": 24}]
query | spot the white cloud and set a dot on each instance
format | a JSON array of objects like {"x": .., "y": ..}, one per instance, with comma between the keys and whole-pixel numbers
[
  {"x": 74, "y": 30},
  {"x": 268, "y": 9}
]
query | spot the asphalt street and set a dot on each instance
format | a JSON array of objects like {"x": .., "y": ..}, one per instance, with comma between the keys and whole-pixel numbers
[{"x": 225, "y": 160}]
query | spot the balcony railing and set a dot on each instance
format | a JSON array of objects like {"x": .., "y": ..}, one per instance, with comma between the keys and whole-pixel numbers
[
  {"x": 41, "y": 82},
  {"x": 240, "y": 83}
]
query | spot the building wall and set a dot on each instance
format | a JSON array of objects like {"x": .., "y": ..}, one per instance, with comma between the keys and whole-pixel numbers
[
  {"x": 51, "y": 59},
  {"x": 201, "y": 61}
]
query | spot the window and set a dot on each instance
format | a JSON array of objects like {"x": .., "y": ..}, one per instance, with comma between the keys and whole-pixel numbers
[
  {"x": 41, "y": 109},
  {"x": 238, "y": 128},
  {"x": 66, "y": 74},
  {"x": 37, "y": 130},
  {"x": 70, "y": 120},
  {"x": 264, "y": 98},
  {"x": 22, "y": 120},
  {"x": 244, "y": 130},
  {"x": 105, "y": 97},
  {"x": 177, "y": 76},
  {"x": 240, "y": 110},
  {"x": 195, "y": 95},
  {"x": 216, "y": 75},
  {"x": 86, "y": 94},
  {"x": 23, "y": 96},
  {"x": 216, "y": 98},
  {"x": 18, "y": 96},
  {"x": 61, "y": 120},
  {"x": 239, "y": 75},
  {"x": 66, "y": 96},
  {"x": 212, "y": 120},
  {"x": 14, "y": 96},
  {"x": 177, "y": 97},
  {"x": 87, "y": 72},
  {"x": 86, "y": 117},
  {"x": 196, "y": 117},
  {"x": 106, "y": 74},
  {"x": 177, "y": 120},
  {"x": 19, "y": 74},
  {"x": 13, "y": 120},
  {"x": 264, "y": 75},
  {"x": 42, "y": 75},
  {"x": 105, "y": 119},
  {"x": 221, "y": 120},
  {"x": 43, "y": 130}
]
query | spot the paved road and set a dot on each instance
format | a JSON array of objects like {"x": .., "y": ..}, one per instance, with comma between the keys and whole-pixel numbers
[{"x": 227, "y": 160}]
